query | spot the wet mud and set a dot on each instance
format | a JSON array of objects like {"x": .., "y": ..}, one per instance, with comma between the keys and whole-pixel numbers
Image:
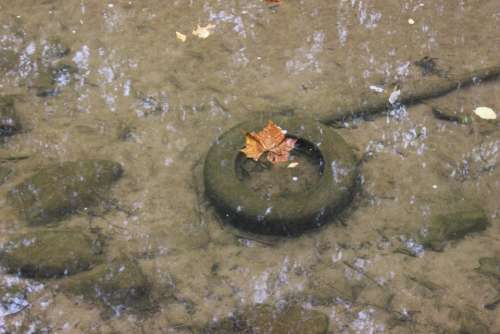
[{"x": 416, "y": 252}]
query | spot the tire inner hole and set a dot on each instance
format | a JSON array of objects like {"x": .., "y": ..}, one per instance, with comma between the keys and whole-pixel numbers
[{"x": 271, "y": 180}]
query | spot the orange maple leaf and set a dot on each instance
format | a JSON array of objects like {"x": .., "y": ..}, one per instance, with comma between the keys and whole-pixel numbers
[
  {"x": 281, "y": 152},
  {"x": 271, "y": 139},
  {"x": 253, "y": 149}
]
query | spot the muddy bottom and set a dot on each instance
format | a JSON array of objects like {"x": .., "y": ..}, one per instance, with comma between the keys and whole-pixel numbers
[{"x": 128, "y": 82}]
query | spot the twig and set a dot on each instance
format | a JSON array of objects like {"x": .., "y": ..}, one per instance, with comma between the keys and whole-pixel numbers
[
  {"x": 411, "y": 93},
  {"x": 14, "y": 158}
]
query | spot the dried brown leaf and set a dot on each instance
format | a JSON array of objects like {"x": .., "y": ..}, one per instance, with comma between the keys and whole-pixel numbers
[{"x": 272, "y": 140}]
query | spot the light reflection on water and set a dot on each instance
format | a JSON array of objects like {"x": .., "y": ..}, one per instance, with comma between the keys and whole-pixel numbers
[{"x": 155, "y": 104}]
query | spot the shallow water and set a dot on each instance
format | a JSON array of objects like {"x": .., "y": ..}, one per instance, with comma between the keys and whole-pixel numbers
[{"x": 155, "y": 104}]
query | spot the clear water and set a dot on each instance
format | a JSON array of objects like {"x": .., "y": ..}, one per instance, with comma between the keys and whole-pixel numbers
[{"x": 144, "y": 98}]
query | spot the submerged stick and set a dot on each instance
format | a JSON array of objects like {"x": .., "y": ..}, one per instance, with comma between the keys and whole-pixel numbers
[
  {"x": 14, "y": 158},
  {"x": 412, "y": 92}
]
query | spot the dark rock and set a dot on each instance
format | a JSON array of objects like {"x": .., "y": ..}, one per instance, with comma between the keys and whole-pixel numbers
[
  {"x": 51, "y": 253},
  {"x": 453, "y": 226},
  {"x": 9, "y": 123},
  {"x": 292, "y": 319},
  {"x": 119, "y": 285},
  {"x": 60, "y": 189}
]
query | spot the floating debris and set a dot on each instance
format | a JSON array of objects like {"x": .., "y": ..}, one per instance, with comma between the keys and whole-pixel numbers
[
  {"x": 485, "y": 113},
  {"x": 203, "y": 32},
  {"x": 377, "y": 89},
  {"x": 270, "y": 139},
  {"x": 180, "y": 36},
  {"x": 394, "y": 97}
]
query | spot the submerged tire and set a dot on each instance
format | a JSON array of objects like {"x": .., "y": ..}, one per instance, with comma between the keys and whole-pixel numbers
[{"x": 289, "y": 213}]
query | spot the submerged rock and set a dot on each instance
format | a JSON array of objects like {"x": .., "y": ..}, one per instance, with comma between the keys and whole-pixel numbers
[
  {"x": 453, "y": 226},
  {"x": 59, "y": 190},
  {"x": 292, "y": 319},
  {"x": 119, "y": 285},
  {"x": 9, "y": 123},
  {"x": 51, "y": 253}
]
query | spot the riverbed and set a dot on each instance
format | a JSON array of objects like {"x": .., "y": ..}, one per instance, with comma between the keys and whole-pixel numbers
[{"x": 128, "y": 81}]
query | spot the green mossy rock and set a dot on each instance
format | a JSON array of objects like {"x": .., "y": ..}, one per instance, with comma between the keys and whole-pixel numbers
[
  {"x": 48, "y": 253},
  {"x": 121, "y": 284},
  {"x": 453, "y": 226},
  {"x": 9, "y": 123},
  {"x": 267, "y": 319},
  {"x": 58, "y": 190}
]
